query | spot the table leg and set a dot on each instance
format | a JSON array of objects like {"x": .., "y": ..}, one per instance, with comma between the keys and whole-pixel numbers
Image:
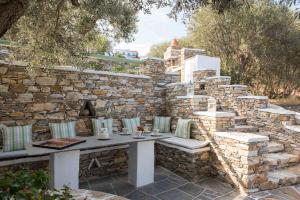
[
  {"x": 141, "y": 163},
  {"x": 64, "y": 169}
]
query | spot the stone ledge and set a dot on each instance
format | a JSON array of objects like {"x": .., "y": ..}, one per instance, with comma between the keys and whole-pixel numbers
[
  {"x": 253, "y": 97},
  {"x": 243, "y": 137},
  {"x": 218, "y": 77},
  {"x": 193, "y": 97},
  {"x": 277, "y": 111},
  {"x": 229, "y": 86},
  {"x": 23, "y": 160},
  {"x": 89, "y": 71},
  {"x": 295, "y": 128},
  {"x": 178, "y": 83},
  {"x": 215, "y": 114}
]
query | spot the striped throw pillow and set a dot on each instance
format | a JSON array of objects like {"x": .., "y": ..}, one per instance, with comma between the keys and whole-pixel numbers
[
  {"x": 183, "y": 129},
  {"x": 15, "y": 138},
  {"x": 102, "y": 123},
  {"x": 163, "y": 124},
  {"x": 63, "y": 130},
  {"x": 131, "y": 124}
]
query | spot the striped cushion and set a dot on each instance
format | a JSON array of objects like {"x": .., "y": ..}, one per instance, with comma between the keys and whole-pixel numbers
[
  {"x": 15, "y": 138},
  {"x": 102, "y": 123},
  {"x": 162, "y": 123},
  {"x": 62, "y": 130},
  {"x": 131, "y": 124},
  {"x": 183, "y": 129}
]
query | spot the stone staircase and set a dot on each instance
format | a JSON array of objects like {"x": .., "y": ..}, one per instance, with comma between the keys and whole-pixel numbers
[
  {"x": 283, "y": 167},
  {"x": 242, "y": 126}
]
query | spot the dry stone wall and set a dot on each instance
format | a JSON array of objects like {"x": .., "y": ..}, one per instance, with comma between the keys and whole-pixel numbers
[{"x": 60, "y": 94}]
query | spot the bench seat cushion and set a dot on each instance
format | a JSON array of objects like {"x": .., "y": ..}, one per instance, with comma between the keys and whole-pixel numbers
[{"x": 186, "y": 143}]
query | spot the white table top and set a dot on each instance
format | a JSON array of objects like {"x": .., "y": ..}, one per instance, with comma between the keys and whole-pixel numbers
[{"x": 93, "y": 143}]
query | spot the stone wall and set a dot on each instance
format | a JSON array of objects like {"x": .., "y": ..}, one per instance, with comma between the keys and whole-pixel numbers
[
  {"x": 199, "y": 80},
  {"x": 59, "y": 94},
  {"x": 192, "y": 166},
  {"x": 240, "y": 159}
]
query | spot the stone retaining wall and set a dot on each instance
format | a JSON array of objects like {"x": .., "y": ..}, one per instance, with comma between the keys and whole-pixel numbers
[
  {"x": 59, "y": 95},
  {"x": 241, "y": 161}
]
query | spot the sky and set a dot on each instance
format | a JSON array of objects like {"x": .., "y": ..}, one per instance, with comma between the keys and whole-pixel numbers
[{"x": 152, "y": 29}]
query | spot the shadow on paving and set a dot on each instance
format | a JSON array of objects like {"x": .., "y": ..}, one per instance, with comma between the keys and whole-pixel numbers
[{"x": 169, "y": 186}]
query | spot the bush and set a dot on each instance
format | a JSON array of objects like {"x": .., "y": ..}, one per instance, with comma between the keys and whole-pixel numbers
[{"x": 32, "y": 185}]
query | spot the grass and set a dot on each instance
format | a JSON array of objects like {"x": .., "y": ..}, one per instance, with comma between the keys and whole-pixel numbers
[{"x": 290, "y": 101}]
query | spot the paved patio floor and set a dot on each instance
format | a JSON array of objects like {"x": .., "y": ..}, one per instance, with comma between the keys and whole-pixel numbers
[{"x": 169, "y": 186}]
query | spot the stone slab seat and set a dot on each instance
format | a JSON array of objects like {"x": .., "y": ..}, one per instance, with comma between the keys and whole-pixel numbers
[{"x": 187, "y": 145}]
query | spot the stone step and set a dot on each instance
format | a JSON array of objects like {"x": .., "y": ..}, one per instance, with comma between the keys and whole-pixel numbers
[
  {"x": 274, "y": 147},
  {"x": 239, "y": 120},
  {"x": 293, "y": 128},
  {"x": 245, "y": 128},
  {"x": 284, "y": 177},
  {"x": 280, "y": 160}
]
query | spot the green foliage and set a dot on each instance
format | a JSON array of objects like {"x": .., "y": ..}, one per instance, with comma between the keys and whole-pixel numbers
[
  {"x": 57, "y": 33},
  {"x": 259, "y": 45},
  {"x": 158, "y": 50},
  {"x": 30, "y": 185}
]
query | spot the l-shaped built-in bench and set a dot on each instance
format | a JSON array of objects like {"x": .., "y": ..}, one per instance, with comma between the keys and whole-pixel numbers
[{"x": 187, "y": 157}]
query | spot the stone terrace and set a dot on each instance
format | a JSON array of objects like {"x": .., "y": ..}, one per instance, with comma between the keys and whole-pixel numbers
[{"x": 253, "y": 145}]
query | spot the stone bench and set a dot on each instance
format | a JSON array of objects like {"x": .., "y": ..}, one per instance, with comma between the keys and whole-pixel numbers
[
  {"x": 188, "y": 145},
  {"x": 187, "y": 157}
]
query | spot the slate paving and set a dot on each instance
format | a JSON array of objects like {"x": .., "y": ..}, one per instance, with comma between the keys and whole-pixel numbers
[{"x": 169, "y": 186}]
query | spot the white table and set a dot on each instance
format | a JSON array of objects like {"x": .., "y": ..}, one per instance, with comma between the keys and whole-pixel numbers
[{"x": 64, "y": 164}]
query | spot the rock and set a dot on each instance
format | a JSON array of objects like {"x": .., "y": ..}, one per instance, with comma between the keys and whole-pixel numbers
[
  {"x": 18, "y": 88},
  {"x": 38, "y": 107},
  {"x": 74, "y": 96},
  {"x": 28, "y": 82},
  {"x": 100, "y": 104},
  {"x": 99, "y": 92},
  {"x": 17, "y": 115},
  {"x": 3, "y": 70},
  {"x": 4, "y": 88},
  {"x": 33, "y": 89},
  {"x": 46, "y": 81},
  {"x": 25, "y": 97},
  {"x": 9, "y": 81},
  {"x": 58, "y": 115}
]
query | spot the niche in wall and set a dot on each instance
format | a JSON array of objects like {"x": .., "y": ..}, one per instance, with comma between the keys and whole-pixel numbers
[{"x": 87, "y": 110}]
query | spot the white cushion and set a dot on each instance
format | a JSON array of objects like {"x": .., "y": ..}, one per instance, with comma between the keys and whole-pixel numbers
[{"x": 187, "y": 143}]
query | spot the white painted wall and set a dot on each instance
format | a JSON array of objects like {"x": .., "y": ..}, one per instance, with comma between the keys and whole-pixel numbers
[{"x": 200, "y": 62}]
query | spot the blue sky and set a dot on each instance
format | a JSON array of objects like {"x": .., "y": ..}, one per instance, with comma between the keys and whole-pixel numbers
[{"x": 154, "y": 28}]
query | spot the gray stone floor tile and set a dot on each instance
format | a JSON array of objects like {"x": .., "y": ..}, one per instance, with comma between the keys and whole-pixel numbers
[
  {"x": 174, "y": 195},
  {"x": 192, "y": 189},
  {"x": 203, "y": 197},
  {"x": 158, "y": 187},
  {"x": 105, "y": 187},
  {"x": 138, "y": 195},
  {"x": 259, "y": 194},
  {"x": 123, "y": 188},
  {"x": 160, "y": 177},
  {"x": 180, "y": 181},
  {"x": 234, "y": 195},
  {"x": 290, "y": 192},
  {"x": 215, "y": 185},
  {"x": 272, "y": 197}
]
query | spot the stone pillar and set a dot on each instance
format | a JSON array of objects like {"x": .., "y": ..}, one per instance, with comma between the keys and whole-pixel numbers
[
  {"x": 240, "y": 159},
  {"x": 199, "y": 79}
]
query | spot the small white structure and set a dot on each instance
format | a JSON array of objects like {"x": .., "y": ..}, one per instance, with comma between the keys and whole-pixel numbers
[{"x": 200, "y": 62}]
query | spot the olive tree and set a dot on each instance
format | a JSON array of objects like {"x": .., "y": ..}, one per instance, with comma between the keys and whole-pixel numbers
[{"x": 259, "y": 45}]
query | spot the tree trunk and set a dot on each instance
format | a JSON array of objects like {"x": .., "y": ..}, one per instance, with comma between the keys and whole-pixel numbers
[{"x": 10, "y": 13}]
